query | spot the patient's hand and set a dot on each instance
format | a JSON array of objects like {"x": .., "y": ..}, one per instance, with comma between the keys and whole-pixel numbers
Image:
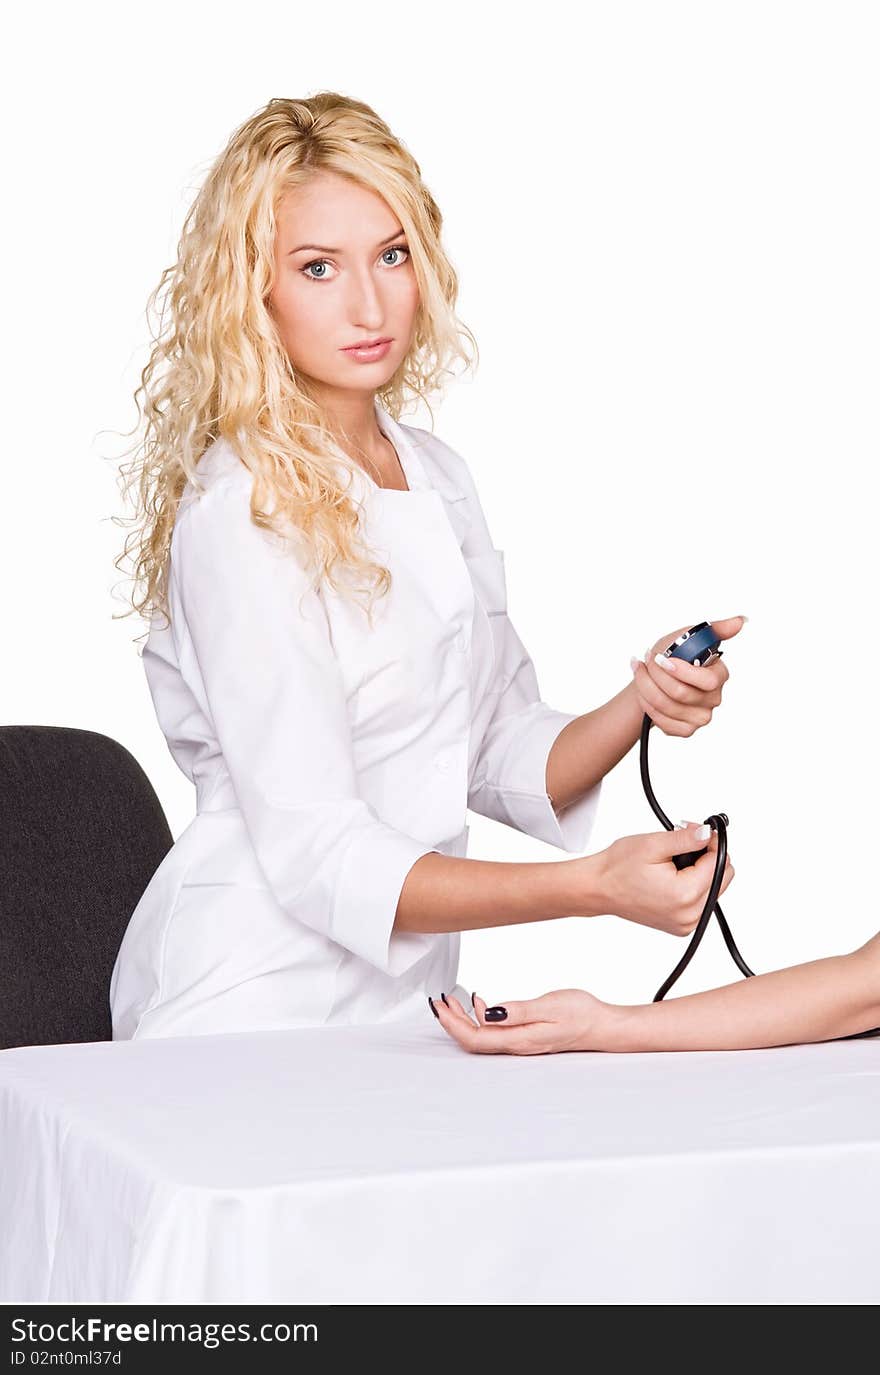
[{"x": 566, "y": 1019}]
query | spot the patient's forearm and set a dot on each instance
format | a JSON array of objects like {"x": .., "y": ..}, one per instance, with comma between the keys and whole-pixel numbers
[{"x": 818, "y": 1001}]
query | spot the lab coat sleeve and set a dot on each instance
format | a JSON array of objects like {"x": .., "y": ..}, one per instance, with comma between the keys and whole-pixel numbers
[
  {"x": 509, "y": 774},
  {"x": 275, "y": 695}
]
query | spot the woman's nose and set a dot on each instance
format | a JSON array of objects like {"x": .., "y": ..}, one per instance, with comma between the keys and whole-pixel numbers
[{"x": 365, "y": 301}]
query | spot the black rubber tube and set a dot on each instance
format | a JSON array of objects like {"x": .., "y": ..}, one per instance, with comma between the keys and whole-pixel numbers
[{"x": 718, "y": 822}]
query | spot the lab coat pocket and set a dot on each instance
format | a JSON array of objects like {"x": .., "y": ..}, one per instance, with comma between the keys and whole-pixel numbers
[
  {"x": 490, "y": 620},
  {"x": 233, "y": 958},
  {"x": 488, "y": 577}
]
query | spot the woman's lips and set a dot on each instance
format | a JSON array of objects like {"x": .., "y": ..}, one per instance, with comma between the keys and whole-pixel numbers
[{"x": 368, "y": 355}]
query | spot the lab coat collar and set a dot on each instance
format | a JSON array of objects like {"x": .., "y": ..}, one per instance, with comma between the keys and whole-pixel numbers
[{"x": 422, "y": 474}]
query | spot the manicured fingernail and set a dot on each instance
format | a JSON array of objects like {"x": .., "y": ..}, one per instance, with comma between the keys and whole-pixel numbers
[
  {"x": 703, "y": 832},
  {"x": 433, "y": 1008},
  {"x": 744, "y": 618},
  {"x": 473, "y": 1004},
  {"x": 496, "y": 1014},
  {"x": 634, "y": 663},
  {"x": 662, "y": 660},
  {"x": 445, "y": 999}
]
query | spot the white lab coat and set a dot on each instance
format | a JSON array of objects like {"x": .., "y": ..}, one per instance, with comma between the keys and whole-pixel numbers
[{"x": 328, "y": 757}]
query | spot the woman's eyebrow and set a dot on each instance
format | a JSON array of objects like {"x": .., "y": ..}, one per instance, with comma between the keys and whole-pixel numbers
[{"x": 322, "y": 248}]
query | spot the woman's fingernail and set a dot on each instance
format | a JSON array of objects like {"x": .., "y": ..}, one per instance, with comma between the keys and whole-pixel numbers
[
  {"x": 473, "y": 1004},
  {"x": 662, "y": 660},
  {"x": 703, "y": 832},
  {"x": 634, "y": 663},
  {"x": 496, "y": 1014},
  {"x": 445, "y": 999},
  {"x": 744, "y": 618},
  {"x": 433, "y": 1008}
]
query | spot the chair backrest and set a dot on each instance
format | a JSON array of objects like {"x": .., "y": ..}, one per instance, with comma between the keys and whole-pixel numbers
[{"x": 81, "y": 834}]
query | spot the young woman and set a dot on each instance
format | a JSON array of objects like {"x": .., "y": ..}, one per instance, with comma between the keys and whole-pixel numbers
[
  {"x": 817, "y": 1001},
  {"x": 335, "y": 744}
]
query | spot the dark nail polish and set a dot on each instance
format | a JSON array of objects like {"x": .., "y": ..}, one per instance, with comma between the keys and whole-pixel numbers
[
  {"x": 445, "y": 999},
  {"x": 433, "y": 1009},
  {"x": 473, "y": 1004},
  {"x": 496, "y": 1014}
]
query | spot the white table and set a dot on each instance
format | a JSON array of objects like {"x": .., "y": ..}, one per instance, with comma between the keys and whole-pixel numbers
[{"x": 383, "y": 1164}]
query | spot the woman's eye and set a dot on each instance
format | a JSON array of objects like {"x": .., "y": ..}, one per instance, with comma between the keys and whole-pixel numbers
[
  {"x": 319, "y": 262},
  {"x": 397, "y": 248},
  {"x": 323, "y": 263}
]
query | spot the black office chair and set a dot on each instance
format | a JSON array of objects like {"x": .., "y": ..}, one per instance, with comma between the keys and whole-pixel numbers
[{"x": 81, "y": 834}]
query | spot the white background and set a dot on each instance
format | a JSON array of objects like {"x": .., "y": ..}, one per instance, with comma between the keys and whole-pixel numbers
[{"x": 665, "y": 221}]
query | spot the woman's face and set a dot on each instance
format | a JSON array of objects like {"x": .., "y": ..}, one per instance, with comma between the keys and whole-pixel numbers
[{"x": 342, "y": 277}]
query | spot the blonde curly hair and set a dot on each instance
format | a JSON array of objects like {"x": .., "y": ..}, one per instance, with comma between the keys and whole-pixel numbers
[{"x": 218, "y": 366}]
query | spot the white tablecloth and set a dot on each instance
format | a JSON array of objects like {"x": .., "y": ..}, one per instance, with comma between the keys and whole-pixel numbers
[{"x": 383, "y": 1164}]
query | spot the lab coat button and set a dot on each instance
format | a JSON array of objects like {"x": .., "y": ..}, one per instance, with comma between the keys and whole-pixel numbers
[{"x": 442, "y": 763}]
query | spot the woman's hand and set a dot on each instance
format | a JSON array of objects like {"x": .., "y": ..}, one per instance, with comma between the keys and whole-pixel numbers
[
  {"x": 679, "y": 697},
  {"x": 635, "y": 877},
  {"x": 568, "y": 1019}
]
